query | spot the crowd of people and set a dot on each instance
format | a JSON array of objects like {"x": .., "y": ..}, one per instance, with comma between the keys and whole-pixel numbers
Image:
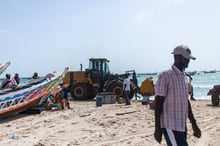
[
  {"x": 171, "y": 95},
  {"x": 9, "y": 82}
]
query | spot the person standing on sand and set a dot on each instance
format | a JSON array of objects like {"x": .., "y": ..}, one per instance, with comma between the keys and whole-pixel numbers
[
  {"x": 62, "y": 98},
  {"x": 65, "y": 98},
  {"x": 172, "y": 103},
  {"x": 126, "y": 88},
  {"x": 190, "y": 86}
]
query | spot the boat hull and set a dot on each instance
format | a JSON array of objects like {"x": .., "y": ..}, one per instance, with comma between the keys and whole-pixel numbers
[{"x": 27, "y": 96}]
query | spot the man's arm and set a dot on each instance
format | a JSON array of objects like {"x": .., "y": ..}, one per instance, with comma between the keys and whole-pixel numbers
[
  {"x": 196, "y": 130},
  {"x": 158, "y": 112}
]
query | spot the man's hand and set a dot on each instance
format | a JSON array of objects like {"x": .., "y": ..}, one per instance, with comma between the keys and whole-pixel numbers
[
  {"x": 196, "y": 131},
  {"x": 158, "y": 111},
  {"x": 158, "y": 135}
]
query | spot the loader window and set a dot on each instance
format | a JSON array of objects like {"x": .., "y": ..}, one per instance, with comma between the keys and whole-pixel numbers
[
  {"x": 94, "y": 65},
  {"x": 99, "y": 65},
  {"x": 106, "y": 67}
]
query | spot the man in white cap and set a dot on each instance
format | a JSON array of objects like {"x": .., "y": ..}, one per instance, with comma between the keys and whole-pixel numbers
[{"x": 172, "y": 104}]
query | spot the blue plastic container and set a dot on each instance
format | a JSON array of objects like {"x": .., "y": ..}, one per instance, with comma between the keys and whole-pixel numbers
[{"x": 98, "y": 101}]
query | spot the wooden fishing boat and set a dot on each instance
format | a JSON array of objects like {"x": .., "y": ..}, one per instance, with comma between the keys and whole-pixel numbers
[
  {"x": 191, "y": 73},
  {"x": 29, "y": 95},
  {"x": 142, "y": 74},
  {"x": 211, "y": 71}
]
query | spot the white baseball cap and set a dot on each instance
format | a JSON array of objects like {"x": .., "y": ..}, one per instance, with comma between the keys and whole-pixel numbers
[{"x": 184, "y": 51}]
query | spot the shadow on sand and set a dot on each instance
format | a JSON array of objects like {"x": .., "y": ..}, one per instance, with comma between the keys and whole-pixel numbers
[
  {"x": 213, "y": 106},
  {"x": 11, "y": 117}
]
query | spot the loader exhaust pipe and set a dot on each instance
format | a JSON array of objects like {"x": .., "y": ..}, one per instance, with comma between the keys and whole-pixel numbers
[{"x": 80, "y": 66}]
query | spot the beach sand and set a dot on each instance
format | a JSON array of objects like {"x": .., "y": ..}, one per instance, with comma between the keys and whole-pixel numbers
[{"x": 108, "y": 125}]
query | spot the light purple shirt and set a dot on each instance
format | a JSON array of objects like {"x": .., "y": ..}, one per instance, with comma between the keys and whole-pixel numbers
[
  {"x": 126, "y": 84},
  {"x": 173, "y": 85}
]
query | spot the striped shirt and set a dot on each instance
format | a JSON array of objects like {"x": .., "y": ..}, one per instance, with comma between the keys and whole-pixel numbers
[{"x": 172, "y": 84}]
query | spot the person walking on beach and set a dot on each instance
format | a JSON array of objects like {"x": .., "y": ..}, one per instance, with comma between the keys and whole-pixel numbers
[
  {"x": 126, "y": 88},
  {"x": 172, "y": 103}
]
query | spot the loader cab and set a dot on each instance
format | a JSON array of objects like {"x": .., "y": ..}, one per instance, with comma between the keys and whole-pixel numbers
[
  {"x": 99, "y": 64},
  {"x": 99, "y": 69}
]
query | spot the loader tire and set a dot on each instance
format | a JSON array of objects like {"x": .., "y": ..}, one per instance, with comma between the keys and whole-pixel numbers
[
  {"x": 215, "y": 98},
  {"x": 81, "y": 91},
  {"x": 117, "y": 89}
]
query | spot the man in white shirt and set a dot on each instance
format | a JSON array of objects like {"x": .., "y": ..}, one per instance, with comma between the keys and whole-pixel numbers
[{"x": 126, "y": 88}]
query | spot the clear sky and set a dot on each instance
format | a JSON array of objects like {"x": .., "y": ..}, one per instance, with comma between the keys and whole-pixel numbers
[{"x": 47, "y": 35}]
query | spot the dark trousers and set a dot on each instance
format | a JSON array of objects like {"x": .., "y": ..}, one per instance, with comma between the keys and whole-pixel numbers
[
  {"x": 175, "y": 138},
  {"x": 127, "y": 99}
]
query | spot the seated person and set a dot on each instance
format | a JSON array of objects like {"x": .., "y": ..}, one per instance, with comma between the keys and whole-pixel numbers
[
  {"x": 16, "y": 78},
  {"x": 8, "y": 83},
  {"x": 35, "y": 76}
]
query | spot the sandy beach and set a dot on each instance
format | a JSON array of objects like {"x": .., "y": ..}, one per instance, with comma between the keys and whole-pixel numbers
[{"x": 108, "y": 125}]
